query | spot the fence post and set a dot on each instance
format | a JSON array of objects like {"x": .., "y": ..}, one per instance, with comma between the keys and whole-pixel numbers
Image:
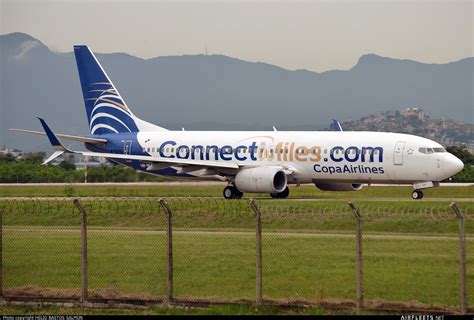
[
  {"x": 359, "y": 267},
  {"x": 462, "y": 242},
  {"x": 1, "y": 253},
  {"x": 169, "y": 253},
  {"x": 84, "y": 277},
  {"x": 258, "y": 244}
]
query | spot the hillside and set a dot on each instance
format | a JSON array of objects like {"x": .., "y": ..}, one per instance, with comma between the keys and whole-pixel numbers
[
  {"x": 220, "y": 92},
  {"x": 446, "y": 131}
]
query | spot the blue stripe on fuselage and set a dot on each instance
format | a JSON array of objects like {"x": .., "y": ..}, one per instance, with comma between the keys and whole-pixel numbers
[{"x": 115, "y": 144}]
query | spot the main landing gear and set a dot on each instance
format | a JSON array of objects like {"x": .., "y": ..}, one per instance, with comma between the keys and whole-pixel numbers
[
  {"x": 231, "y": 192},
  {"x": 281, "y": 195},
  {"x": 417, "y": 194}
]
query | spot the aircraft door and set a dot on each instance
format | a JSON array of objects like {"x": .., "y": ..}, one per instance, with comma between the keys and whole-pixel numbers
[{"x": 398, "y": 153}]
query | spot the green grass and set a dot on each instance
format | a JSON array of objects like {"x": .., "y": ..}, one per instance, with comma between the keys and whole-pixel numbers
[
  {"x": 157, "y": 190},
  {"x": 210, "y": 214},
  {"x": 157, "y": 310},
  {"x": 223, "y": 265}
]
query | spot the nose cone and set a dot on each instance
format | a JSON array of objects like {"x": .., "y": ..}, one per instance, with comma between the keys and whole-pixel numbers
[{"x": 452, "y": 165}]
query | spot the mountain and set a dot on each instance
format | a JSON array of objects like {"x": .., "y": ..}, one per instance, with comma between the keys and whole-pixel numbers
[{"x": 219, "y": 92}]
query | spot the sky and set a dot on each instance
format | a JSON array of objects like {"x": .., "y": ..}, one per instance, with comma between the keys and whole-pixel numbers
[{"x": 312, "y": 35}]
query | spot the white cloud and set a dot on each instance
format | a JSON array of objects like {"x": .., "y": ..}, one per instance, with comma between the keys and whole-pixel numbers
[{"x": 26, "y": 47}]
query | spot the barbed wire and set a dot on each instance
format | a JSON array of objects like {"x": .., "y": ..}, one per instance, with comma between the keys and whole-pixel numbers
[{"x": 128, "y": 206}]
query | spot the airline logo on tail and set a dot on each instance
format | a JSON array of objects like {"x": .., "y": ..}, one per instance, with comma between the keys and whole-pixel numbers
[
  {"x": 106, "y": 110},
  {"x": 109, "y": 112}
]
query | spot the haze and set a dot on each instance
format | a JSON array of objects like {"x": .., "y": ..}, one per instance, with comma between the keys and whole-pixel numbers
[{"x": 316, "y": 35}]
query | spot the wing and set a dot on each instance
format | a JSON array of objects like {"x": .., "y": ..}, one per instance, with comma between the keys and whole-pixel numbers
[{"x": 172, "y": 161}]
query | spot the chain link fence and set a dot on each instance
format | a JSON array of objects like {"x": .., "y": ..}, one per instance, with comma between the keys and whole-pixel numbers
[{"x": 377, "y": 255}]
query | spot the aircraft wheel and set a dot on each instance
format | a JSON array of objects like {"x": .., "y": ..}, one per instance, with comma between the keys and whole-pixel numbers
[
  {"x": 238, "y": 194},
  {"x": 417, "y": 194},
  {"x": 281, "y": 195},
  {"x": 231, "y": 192}
]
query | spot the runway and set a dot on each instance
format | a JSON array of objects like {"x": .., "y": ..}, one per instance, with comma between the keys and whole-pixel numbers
[
  {"x": 189, "y": 183},
  {"x": 109, "y": 198}
]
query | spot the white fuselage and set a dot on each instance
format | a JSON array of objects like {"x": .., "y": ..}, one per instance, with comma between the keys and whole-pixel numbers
[{"x": 363, "y": 157}]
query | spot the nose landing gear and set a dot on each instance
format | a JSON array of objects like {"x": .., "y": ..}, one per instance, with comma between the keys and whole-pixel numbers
[{"x": 417, "y": 194}]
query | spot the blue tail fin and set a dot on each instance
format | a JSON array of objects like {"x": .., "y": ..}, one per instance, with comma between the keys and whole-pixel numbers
[{"x": 106, "y": 110}]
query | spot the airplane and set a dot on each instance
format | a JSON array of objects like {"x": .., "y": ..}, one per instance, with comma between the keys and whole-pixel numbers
[{"x": 249, "y": 161}]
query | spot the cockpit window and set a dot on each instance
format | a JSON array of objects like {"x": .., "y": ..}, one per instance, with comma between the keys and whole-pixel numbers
[{"x": 431, "y": 150}]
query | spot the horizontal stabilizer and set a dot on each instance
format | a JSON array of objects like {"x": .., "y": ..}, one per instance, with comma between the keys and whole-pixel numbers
[{"x": 66, "y": 136}]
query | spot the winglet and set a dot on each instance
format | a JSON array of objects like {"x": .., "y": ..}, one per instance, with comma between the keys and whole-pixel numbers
[
  {"x": 337, "y": 126},
  {"x": 57, "y": 145}
]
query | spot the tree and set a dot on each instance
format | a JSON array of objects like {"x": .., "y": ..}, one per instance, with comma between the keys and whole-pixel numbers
[
  {"x": 6, "y": 157},
  {"x": 35, "y": 157},
  {"x": 462, "y": 153},
  {"x": 67, "y": 165}
]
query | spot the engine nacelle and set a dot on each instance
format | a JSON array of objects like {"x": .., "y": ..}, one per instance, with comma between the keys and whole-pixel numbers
[
  {"x": 261, "y": 179},
  {"x": 338, "y": 186}
]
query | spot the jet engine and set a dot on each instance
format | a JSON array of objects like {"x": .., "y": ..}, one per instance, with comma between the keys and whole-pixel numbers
[
  {"x": 338, "y": 186},
  {"x": 261, "y": 179}
]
